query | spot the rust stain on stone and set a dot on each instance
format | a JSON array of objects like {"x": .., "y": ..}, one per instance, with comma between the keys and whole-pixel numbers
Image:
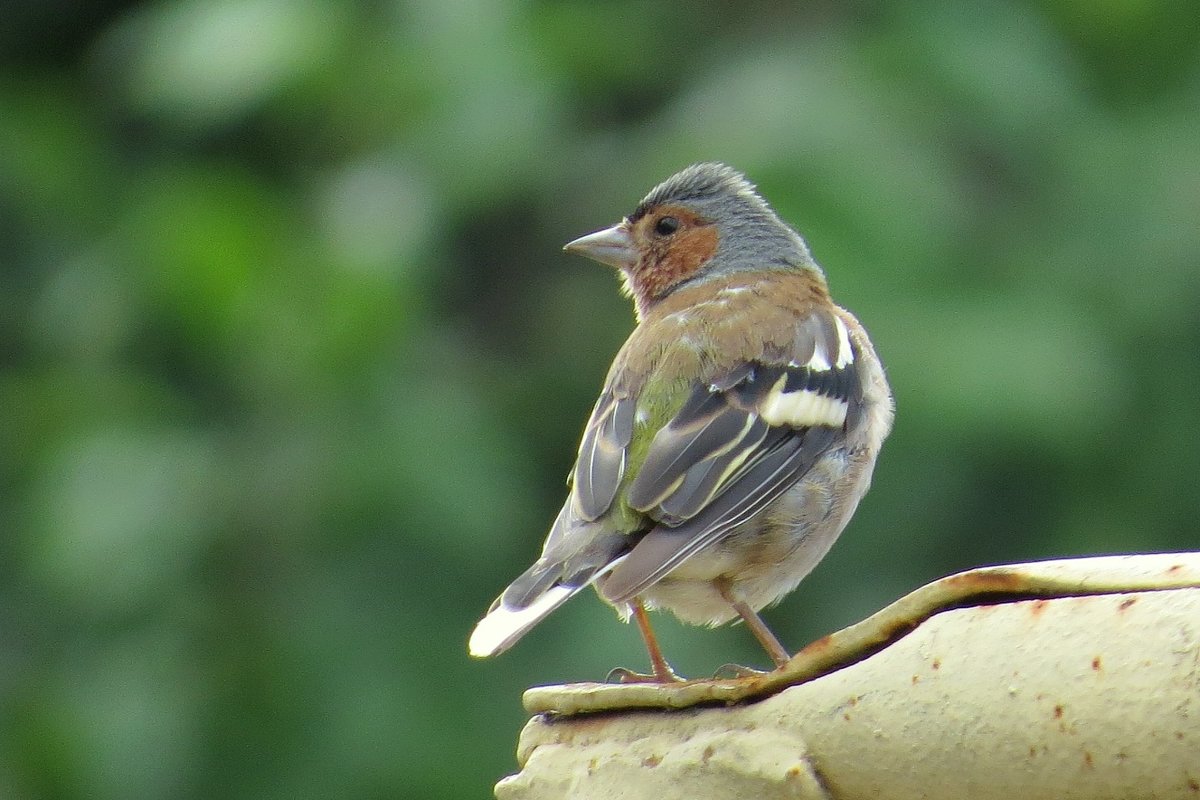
[
  {"x": 651, "y": 761},
  {"x": 817, "y": 645},
  {"x": 976, "y": 583},
  {"x": 1126, "y": 603},
  {"x": 1058, "y": 712},
  {"x": 1096, "y": 665},
  {"x": 900, "y": 628}
]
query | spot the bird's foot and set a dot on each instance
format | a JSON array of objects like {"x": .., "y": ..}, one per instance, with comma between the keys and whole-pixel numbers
[
  {"x": 727, "y": 671},
  {"x": 622, "y": 675}
]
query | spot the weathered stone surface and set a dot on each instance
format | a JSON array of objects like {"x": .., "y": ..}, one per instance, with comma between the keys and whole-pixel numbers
[{"x": 1089, "y": 690}]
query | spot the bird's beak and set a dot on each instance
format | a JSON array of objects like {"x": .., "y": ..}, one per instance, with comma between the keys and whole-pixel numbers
[{"x": 612, "y": 246}]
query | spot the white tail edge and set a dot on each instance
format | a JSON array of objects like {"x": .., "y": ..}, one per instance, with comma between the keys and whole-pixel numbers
[{"x": 502, "y": 627}]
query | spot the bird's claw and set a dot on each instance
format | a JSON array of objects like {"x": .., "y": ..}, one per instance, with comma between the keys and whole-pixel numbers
[
  {"x": 622, "y": 675},
  {"x": 727, "y": 671}
]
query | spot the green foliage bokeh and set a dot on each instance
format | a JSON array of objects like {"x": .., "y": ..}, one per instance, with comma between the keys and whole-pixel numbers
[{"x": 292, "y": 367}]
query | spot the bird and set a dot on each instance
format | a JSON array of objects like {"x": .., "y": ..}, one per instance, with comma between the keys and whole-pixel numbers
[{"x": 735, "y": 434}]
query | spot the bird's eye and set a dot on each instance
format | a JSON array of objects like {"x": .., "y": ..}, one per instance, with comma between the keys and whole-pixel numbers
[{"x": 666, "y": 226}]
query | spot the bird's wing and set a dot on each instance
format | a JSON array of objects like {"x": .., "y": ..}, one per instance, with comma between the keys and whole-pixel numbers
[
  {"x": 602, "y": 453},
  {"x": 738, "y": 442}
]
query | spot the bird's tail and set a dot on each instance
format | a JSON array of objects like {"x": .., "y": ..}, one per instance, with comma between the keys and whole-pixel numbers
[
  {"x": 577, "y": 552},
  {"x": 540, "y": 590}
]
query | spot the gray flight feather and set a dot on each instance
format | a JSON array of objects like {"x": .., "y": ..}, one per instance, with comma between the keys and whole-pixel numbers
[{"x": 601, "y": 462}]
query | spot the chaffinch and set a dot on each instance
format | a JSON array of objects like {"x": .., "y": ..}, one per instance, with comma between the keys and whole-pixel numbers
[{"x": 736, "y": 432}]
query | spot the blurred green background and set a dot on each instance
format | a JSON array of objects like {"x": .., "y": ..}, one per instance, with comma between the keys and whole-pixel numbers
[{"x": 292, "y": 367}]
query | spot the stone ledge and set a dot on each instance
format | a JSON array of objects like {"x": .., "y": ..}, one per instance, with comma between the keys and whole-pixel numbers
[{"x": 1076, "y": 678}]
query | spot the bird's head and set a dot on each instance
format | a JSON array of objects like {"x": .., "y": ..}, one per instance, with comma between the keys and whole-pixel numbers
[{"x": 703, "y": 222}]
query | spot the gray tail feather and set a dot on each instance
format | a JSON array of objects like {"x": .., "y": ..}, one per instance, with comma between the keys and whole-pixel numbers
[
  {"x": 538, "y": 591},
  {"x": 532, "y": 584}
]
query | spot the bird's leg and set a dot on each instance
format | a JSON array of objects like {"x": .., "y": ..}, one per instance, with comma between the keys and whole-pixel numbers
[
  {"x": 662, "y": 670},
  {"x": 754, "y": 622}
]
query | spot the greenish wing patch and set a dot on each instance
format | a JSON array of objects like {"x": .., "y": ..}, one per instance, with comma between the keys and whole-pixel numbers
[
  {"x": 717, "y": 431},
  {"x": 690, "y": 456}
]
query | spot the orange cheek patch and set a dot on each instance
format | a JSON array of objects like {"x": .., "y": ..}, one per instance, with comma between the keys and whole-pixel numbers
[
  {"x": 693, "y": 249},
  {"x": 683, "y": 258}
]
